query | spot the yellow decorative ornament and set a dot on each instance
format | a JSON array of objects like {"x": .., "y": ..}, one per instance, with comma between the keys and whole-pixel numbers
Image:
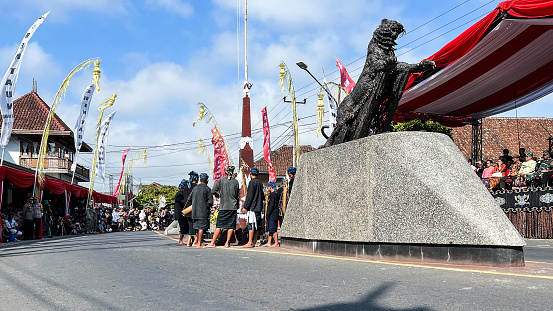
[
  {"x": 320, "y": 113},
  {"x": 144, "y": 157},
  {"x": 96, "y": 75},
  {"x": 201, "y": 147},
  {"x": 281, "y": 77},
  {"x": 200, "y": 115}
]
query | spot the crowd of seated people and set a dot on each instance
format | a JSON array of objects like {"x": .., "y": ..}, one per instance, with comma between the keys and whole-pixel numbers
[{"x": 519, "y": 171}]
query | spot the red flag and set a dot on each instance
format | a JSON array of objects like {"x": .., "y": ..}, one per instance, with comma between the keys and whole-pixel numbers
[
  {"x": 220, "y": 154},
  {"x": 346, "y": 81},
  {"x": 116, "y": 192},
  {"x": 267, "y": 144}
]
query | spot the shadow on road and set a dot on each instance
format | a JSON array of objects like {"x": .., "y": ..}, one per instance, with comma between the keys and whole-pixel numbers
[
  {"x": 369, "y": 302},
  {"x": 89, "y": 242}
]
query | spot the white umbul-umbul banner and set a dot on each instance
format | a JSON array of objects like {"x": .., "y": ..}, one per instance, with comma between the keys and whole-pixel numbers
[
  {"x": 81, "y": 122},
  {"x": 102, "y": 142},
  {"x": 8, "y": 85}
]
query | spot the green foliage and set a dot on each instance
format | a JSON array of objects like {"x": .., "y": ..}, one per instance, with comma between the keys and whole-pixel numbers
[
  {"x": 418, "y": 125},
  {"x": 149, "y": 195}
]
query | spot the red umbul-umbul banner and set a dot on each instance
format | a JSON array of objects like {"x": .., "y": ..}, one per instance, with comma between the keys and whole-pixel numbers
[
  {"x": 116, "y": 192},
  {"x": 220, "y": 154},
  {"x": 267, "y": 144},
  {"x": 345, "y": 80}
]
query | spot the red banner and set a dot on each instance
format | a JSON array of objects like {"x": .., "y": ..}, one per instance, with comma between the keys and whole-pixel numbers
[
  {"x": 220, "y": 154},
  {"x": 116, "y": 192},
  {"x": 267, "y": 144},
  {"x": 346, "y": 81}
]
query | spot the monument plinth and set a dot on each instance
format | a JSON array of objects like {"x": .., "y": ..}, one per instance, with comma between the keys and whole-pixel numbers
[{"x": 405, "y": 195}]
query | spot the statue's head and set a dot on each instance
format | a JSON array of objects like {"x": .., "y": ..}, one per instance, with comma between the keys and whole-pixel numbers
[{"x": 388, "y": 32}]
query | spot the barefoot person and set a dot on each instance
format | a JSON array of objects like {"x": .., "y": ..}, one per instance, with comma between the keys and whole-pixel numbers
[
  {"x": 201, "y": 200},
  {"x": 272, "y": 215},
  {"x": 180, "y": 199},
  {"x": 253, "y": 207},
  {"x": 228, "y": 190}
]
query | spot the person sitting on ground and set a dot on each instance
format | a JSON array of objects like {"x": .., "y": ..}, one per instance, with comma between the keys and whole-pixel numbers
[
  {"x": 272, "y": 215},
  {"x": 544, "y": 170},
  {"x": 528, "y": 168}
]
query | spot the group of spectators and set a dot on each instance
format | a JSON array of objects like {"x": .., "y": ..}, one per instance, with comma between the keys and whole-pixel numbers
[
  {"x": 516, "y": 171},
  {"x": 34, "y": 220},
  {"x": 135, "y": 219}
]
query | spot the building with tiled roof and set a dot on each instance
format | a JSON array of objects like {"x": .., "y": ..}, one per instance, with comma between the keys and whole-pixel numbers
[
  {"x": 506, "y": 133},
  {"x": 30, "y": 115},
  {"x": 281, "y": 159}
]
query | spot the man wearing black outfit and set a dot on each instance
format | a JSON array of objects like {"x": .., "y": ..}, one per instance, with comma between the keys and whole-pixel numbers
[
  {"x": 180, "y": 200},
  {"x": 228, "y": 190},
  {"x": 253, "y": 207},
  {"x": 201, "y": 200},
  {"x": 272, "y": 215},
  {"x": 191, "y": 231}
]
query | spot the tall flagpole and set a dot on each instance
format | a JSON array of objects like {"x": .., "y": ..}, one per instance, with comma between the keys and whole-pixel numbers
[{"x": 246, "y": 142}]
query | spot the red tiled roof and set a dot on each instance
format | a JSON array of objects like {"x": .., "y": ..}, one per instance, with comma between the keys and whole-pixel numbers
[
  {"x": 504, "y": 133},
  {"x": 30, "y": 113},
  {"x": 281, "y": 158}
]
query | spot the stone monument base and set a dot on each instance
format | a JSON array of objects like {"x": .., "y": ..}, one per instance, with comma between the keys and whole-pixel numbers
[
  {"x": 423, "y": 253},
  {"x": 406, "y": 194}
]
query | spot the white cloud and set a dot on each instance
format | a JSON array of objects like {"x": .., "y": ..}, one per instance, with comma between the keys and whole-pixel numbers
[{"x": 179, "y": 7}]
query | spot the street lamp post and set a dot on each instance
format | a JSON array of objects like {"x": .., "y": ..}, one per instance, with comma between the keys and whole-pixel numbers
[{"x": 303, "y": 66}]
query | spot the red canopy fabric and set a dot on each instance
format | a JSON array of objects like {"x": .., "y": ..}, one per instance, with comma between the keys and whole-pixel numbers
[
  {"x": 23, "y": 179},
  {"x": 496, "y": 65}
]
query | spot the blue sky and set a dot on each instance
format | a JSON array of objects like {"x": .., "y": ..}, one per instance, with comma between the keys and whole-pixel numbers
[{"x": 162, "y": 57}]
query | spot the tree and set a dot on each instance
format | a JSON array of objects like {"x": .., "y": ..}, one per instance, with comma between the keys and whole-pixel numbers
[
  {"x": 418, "y": 125},
  {"x": 149, "y": 195}
]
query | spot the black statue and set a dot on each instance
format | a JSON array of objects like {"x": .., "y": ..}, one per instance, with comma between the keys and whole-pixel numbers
[{"x": 370, "y": 107}]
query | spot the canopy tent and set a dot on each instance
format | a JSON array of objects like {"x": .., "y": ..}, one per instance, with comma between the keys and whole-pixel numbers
[
  {"x": 22, "y": 179},
  {"x": 502, "y": 62}
]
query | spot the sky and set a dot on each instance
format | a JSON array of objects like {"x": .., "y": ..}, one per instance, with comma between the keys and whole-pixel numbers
[{"x": 163, "y": 57}]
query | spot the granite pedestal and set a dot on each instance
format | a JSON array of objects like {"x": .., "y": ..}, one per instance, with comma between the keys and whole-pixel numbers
[{"x": 405, "y": 195}]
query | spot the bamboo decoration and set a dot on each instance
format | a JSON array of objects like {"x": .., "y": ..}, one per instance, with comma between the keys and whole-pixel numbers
[
  {"x": 285, "y": 79},
  {"x": 57, "y": 99},
  {"x": 201, "y": 149},
  {"x": 206, "y": 115},
  {"x": 106, "y": 104}
]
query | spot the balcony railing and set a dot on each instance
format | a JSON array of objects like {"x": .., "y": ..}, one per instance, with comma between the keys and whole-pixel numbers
[{"x": 57, "y": 165}]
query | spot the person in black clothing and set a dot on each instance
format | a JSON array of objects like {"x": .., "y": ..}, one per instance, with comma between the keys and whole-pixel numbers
[
  {"x": 201, "y": 200},
  {"x": 191, "y": 231},
  {"x": 228, "y": 190},
  {"x": 253, "y": 207},
  {"x": 291, "y": 176},
  {"x": 180, "y": 200},
  {"x": 272, "y": 215}
]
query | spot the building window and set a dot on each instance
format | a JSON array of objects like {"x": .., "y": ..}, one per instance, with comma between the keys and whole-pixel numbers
[
  {"x": 51, "y": 149},
  {"x": 63, "y": 152},
  {"x": 25, "y": 148}
]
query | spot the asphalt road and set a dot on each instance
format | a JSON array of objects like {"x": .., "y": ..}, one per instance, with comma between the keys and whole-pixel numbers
[{"x": 147, "y": 271}]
